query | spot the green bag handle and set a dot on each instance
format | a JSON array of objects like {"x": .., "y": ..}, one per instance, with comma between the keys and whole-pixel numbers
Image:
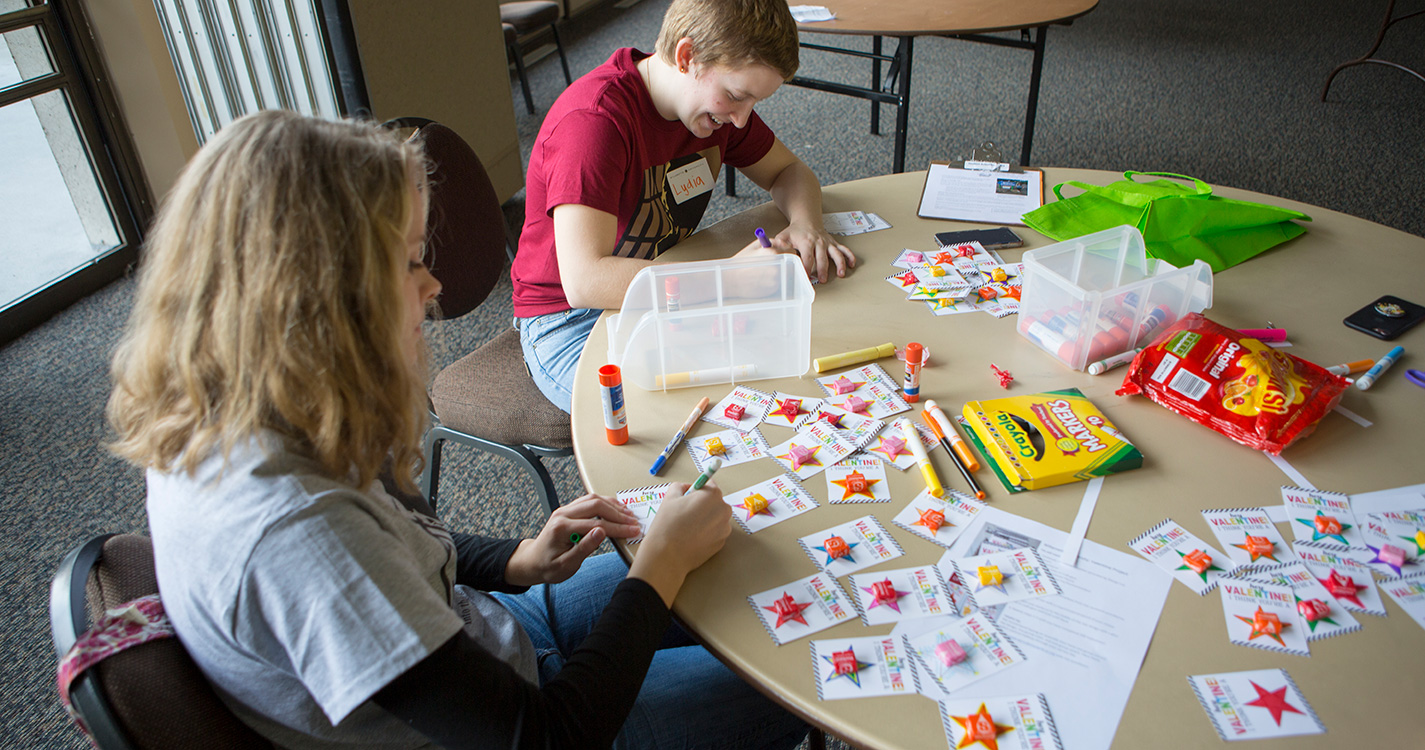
[{"x": 1131, "y": 197}]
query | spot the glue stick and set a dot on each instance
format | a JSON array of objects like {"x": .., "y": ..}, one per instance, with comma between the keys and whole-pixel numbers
[
  {"x": 611, "y": 393},
  {"x": 913, "y": 358}
]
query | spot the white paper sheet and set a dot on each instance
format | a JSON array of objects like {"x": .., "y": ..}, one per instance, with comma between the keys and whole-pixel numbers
[
  {"x": 1084, "y": 648},
  {"x": 980, "y": 195}
]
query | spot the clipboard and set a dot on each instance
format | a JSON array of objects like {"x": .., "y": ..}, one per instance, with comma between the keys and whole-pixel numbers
[{"x": 996, "y": 194}]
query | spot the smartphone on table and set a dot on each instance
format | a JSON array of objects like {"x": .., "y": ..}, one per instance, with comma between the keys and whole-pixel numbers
[{"x": 1386, "y": 318}]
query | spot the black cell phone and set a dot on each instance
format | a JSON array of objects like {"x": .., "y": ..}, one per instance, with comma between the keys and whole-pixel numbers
[
  {"x": 1386, "y": 318},
  {"x": 991, "y": 239}
]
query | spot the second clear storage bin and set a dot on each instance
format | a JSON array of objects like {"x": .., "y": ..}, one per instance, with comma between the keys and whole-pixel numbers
[
  {"x": 717, "y": 321},
  {"x": 1098, "y": 295}
]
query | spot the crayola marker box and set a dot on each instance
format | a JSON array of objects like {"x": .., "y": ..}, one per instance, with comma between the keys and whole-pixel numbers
[{"x": 1049, "y": 438}]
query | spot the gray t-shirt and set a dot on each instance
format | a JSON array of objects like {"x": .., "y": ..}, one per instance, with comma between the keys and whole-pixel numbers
[{"x": 300, "y": 597}]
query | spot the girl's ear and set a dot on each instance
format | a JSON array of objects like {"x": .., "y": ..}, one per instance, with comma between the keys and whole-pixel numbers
[{"x": 683, "y": 54}]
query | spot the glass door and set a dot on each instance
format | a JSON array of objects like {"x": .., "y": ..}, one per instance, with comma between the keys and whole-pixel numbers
[{"x": 71, "y": 206}]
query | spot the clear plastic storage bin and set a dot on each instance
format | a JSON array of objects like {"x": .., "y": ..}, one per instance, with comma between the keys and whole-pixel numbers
[
  {"x": 718, "y": 321},
  {"x": 1095, "y": 296}
]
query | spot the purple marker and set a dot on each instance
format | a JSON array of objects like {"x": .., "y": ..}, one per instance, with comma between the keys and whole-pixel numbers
[{"x": 762, "y": 237}]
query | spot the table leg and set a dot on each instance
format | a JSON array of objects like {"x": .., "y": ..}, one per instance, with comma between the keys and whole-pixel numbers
[
  {"x": 1033, "y": 108},
  {"x": 904, "y": 52},
  {"x": 875, "y": 84}
]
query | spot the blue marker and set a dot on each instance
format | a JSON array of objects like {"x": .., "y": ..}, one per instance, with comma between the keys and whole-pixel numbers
[
  {"x": 762, "y": 237},
  {"x": 678, "y": 438},
  {"x": 1364, "y": 382}
]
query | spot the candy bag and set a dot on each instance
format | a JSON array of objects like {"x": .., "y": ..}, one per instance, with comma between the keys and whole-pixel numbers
[{"x": 1259, "y": 396}]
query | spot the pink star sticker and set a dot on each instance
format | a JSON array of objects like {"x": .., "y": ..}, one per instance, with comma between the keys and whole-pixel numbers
[
  {"x": 891, "y": 447},
  {"x": 884, "y": 592}
]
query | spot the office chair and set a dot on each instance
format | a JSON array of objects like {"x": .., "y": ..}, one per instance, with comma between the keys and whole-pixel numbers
[
  {"x": 486, "y": 400},
  {"x": 521, "y": 19},
  {"x": 147, "y": 697}
]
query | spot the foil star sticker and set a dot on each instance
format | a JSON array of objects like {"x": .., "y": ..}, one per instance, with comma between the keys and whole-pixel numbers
[
  {"x": 1314, "y": 611},
  {"x": 756, "y": 503},
  {"x": 991, "y": 577},
  {"x": 787, "y": 610},
  {"x": 836, "y": 548},
  {"x": 800, "y": 455},
  {"x": 790, "y": 408},
  {"x": 1343, "y": 587},
  {"x": 855, "y": 484},
  {"x": 931, "y": 519},
  {"x": 891, "y": 447},
  {"x": 1274, "y": 701},
  {"x": 907, "y": 279},
  {"x": 845, "y": 664},
  {"x": 884, "y": 593},
  {"x": 1266, "y": 623},
  {"x": 1418, "y": 540},
  {"x": 1198, "y": 562},
  {"x": 1258, "y": 547},
  {"x": 1391, "y": 556},
  {"x": 1326, "y": 527},
  {"x": 844, "y": 385},
  {"x": 980, "y": 728}
]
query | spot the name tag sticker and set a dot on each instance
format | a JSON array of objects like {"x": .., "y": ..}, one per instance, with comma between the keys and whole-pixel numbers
[{"x": 690, "y": 180}]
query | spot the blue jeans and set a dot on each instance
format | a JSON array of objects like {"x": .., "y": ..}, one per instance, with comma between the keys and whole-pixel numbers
[
  {"x": 552, "y": 344},
  {"x": 688, "y": 700}
]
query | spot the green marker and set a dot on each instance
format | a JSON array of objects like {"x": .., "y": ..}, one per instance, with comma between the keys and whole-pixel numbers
[{"x": 703, "y": 478}]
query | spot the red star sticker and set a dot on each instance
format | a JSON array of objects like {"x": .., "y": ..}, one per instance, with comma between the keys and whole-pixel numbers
[
  {"x": 856, "y": 483},
  {"x": 788, "y": 609},
  {"x": 1274, "y": 701},
  {"x": 980, "y": 727},
  {"x": 789, "y": 408},
  {"x": 1343, "y": 587},
  {"x": 907, "y": 279}
]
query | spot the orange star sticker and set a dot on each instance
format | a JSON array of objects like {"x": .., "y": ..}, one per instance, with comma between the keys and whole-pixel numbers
[
  {"x": 856, "y": 483},
  {"x": 1266, "y": 623},
  {"x": 931, "y": 519},
  {"x": 980, "y": 727}
]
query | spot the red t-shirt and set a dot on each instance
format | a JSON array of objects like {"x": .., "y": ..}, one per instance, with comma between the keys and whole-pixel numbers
[{"x": 604, "y": 145}]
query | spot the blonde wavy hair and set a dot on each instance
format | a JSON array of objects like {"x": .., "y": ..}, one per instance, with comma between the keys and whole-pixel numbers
[
  {"x": 270, "y": 298},
  {"x": 732, "y": 33}
]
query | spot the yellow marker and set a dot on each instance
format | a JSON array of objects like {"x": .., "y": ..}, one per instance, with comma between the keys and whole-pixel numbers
[
  {"x": 917, "y": 449},
  {"x": 854, "y": 358},
  {"x": 710, "y": 376}
]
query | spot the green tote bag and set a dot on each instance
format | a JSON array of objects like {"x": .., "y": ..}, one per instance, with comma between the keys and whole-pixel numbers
[{"x": 1180, "y": 223}]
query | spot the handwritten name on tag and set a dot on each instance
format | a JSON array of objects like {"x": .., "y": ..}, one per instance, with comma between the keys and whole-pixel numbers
[{"x": 690, "y": 180}]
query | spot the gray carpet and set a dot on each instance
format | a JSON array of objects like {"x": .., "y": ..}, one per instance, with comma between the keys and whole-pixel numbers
[{"x": 1226, "y": 92}]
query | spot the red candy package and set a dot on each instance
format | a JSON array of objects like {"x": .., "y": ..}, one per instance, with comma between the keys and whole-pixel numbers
[{"x": 1259, "y": 396}]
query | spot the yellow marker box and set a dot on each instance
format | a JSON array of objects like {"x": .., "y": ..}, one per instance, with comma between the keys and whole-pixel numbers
[{"x": 1048, "y": 439}]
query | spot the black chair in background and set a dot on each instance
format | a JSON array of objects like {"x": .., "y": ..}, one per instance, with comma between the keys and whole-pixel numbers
[
  {"x": 486, "y": 400},
  {"x": 522, "y": 20}
]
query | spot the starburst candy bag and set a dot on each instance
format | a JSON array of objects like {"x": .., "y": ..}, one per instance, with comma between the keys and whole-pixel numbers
[{"x": 1259, "y": 396}]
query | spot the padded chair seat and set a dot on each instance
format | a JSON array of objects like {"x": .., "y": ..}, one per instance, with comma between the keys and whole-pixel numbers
[
  {"x": 529, "y": 15},
  {"x": 511, "y": 36},
  {"x": 474, "y": 395}
]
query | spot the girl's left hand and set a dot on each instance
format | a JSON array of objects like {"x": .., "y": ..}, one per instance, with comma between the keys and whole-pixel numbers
[{"x": 551, "y": 557}]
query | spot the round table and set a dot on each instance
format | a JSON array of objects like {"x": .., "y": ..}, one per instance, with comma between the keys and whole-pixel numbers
[{"x": 1360, "y": 682}]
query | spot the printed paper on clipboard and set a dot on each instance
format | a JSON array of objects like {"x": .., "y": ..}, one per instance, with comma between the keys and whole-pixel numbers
[{"x": 989, "y": 196}]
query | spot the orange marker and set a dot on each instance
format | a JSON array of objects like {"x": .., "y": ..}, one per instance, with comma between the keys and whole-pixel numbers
[
  {"x": 946, "y": 426},
  {"x": 1351, "y": 368},
  {"x": 935, "y": 427}
]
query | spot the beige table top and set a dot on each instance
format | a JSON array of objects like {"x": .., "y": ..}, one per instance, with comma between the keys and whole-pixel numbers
[
  {"x": 1363, "y": 682},
  {"x": 939, "y": 17}
]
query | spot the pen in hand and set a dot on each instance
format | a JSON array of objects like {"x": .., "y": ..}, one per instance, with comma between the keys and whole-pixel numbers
[
  {"x": 703, "y": 478},
  {"x": 762, "y": 237}
]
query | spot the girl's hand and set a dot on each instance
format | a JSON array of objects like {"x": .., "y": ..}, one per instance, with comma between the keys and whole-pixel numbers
[{"x": 552, "y": 557}]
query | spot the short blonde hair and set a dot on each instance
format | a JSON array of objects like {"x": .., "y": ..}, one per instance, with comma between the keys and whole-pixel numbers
[
  {"x": 270, "y": 299},
  {"x": 733, "y": 33}
]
